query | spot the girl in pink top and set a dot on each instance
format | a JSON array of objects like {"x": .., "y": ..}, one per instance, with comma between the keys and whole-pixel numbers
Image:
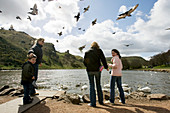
[{"x": 116, "y": 76}]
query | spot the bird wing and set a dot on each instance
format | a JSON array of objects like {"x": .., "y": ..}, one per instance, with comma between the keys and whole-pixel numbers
[
  {"x": 35, "y": 6},
  {"x": 132, "y": 9},
  {"x": 88, "y": 7},
  {"x": 122, "y": 16}
]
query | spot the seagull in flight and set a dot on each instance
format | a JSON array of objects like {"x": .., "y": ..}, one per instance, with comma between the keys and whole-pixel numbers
[
  {"x": 60, "y": 33},
  {"x": 34, "y": 10},
  {"x": 127, "y": 13},
  {"x": 77, "y": 16},
  {"x": 18, "y": 17},
  {"x": 94, "y": 22},
  {"x": 82, "y": 47},
  {"x": 29, "y": 18},
  {"x": 86, "y": 9},
  {"x": 127, "y": 45}
]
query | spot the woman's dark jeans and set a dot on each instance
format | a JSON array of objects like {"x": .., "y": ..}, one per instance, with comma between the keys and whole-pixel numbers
[
  {"x": 97, "y": 76},
  {"x": 116, "y": 79}
]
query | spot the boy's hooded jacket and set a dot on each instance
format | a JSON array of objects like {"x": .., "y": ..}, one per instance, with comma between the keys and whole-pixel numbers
[{"x": 27, "y": 73}]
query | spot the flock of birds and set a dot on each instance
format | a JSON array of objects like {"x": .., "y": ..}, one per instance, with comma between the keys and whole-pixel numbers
[{"x": 34, "y": 11}]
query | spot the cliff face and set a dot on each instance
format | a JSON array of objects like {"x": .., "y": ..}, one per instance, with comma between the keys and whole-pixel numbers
[{"x": 14, "y": 46}]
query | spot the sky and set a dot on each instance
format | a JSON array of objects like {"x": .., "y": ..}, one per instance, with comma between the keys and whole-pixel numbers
[{"x": 144, "y": 30}]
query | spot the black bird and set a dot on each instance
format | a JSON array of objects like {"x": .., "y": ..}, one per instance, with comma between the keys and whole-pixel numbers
[
  {"x": 86, "y": 9},
  {"x": 18, "y": 17},
  {"x": 63, "y": 27},
  {"x": 60, "y": 33},
  {"x": 34, "y": 10},
  {"x": 84, "y": 30},
  {"x": 29, "y": 18},
  {"x": 56, "y": 40},
  {"x": 114, "y": 33},
  {"x": 0, "y": 11},
  {"x": 127, "y": 45},
  {"x": 94, "y": 22},
  {"x": 59, "y": 7},
  {"x": 82, "y": 47},
  {"x": 127, "y": 13},
  {"x": 167, "y": 29},
  {"x": 79, "y": 28},
  {"x": 77, "y": 17}
]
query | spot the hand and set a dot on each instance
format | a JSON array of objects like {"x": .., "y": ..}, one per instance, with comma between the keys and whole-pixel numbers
[
  {"x": 33, "y": 77},
  {"x": 41, "y": 64}
]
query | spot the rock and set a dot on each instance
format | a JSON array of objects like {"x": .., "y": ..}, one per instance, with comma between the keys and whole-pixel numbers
[
  {"x": 137, "y": 95},
  {"x": 4, "y": 87},
  {"x": 145, "y": 89},
  {"x": 70, "y": 98},
  {"x": 125, "y": 85},
  {"x": 127, "y": 89},
  {"x": 77, "y": 85},
  {"x": 86, "y": 98},
  {"x": 17, "y": 92},
  {"x": 126, "y": 95},
  {"x": 75, "y": 99},
  {"x": 157, "y": 97},
  {"x": 107, "y": 86},
  {"x": 63, "y": 87},
  {"x": 6, "y": 91}
]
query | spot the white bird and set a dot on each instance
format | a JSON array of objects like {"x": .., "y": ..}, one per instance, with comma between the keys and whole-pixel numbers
[
  {"x": 145, "y": 89},
  {"x": 84, "y": 87},
  {"x": 34, "y": 10},
  {"x": 127, "y": 13}
]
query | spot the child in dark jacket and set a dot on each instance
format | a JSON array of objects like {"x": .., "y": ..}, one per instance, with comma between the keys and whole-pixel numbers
[{"x": 27, "y": 78}]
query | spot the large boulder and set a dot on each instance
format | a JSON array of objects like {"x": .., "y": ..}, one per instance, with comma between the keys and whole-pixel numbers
[
  {"x": 70, "y": 98},
  {"x": 6, "y": 91},
  {"x": 4, "y": 87},
  {"x": 157, "y": 97},
  {"x": 86, "y": 98},
  {"x": 137, "y": 95}
]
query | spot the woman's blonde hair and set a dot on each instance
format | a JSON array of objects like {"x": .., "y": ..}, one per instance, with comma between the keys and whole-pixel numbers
[
  {"x": 94, "y": 44},
  {"x": 40, "y": 39}
]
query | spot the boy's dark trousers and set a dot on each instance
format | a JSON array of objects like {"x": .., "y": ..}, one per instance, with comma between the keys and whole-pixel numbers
[{"x": 27, "y": 89}]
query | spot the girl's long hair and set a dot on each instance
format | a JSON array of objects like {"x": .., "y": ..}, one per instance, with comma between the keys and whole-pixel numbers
[{"x": 118, "y": 53}]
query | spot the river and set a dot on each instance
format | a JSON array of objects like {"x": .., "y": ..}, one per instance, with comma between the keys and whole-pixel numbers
[{"x": 159, "y": 82}]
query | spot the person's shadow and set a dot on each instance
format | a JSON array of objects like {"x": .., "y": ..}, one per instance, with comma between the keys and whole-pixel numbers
[{"x": 26, "y": 108}]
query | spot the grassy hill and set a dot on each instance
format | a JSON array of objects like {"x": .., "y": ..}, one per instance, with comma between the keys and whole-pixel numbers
[
  {"x": 132, "y": 62},
  {"x": 14, "y": 46}
]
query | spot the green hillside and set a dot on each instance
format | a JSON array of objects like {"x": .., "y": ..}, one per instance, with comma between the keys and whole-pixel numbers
[
  {"x": 132, "y": 62},
  {"x": 14, "y": 46}
]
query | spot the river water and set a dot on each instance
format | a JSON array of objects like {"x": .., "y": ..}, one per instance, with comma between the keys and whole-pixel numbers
[{"x": 159, "y": 82}]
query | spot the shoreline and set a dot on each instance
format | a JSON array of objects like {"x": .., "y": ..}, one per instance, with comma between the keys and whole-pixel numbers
[{"x": 156, "y": 70}]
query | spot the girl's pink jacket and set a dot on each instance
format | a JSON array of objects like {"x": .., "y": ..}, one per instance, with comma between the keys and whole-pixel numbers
[{"x": 116, "y": 66}]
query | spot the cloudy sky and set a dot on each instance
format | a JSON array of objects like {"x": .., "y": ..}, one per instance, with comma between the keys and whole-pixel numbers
[{"x": 144, "y": 30}]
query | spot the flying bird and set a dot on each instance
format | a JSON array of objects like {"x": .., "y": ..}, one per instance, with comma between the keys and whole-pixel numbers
[
  {"x": 77, "y": 16},
  {"x": 29, "y": 18},
  {"x": 114, "y": 33},
  {"x": 94, "y": 22},
  {"x": 34, "y": 10},
  {"x": 0, "y": 11},
  {"x": 56, "y": 40},
  {"x": 127, "y": 13},
  {"x": 60, "y": 33},
  {"x": 127, "y": 45},
  {"x": 79, "y": 28},
  {"x": 86, "y": 9},
  {"x": 84, "y": 30},
  {"x": 63, "y": 27},
  {"x": 18, "y": 17},
  {"x": 82, "y": 47},
  {"x": 167, "y": 29},
  {"x": 59, "y": 7}
]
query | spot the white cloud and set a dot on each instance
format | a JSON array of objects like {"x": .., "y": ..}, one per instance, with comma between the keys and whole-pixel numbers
[{"x": 122, "y": 9}]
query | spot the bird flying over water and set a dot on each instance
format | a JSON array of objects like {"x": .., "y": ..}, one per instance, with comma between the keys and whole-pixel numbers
[
  {"x": 127, "y": 45},
  {"x": 127, "y": 13},
  {"x": 60, "y": 33},
  {"x": 29, "y": 18},
  {"x": 86, "y": 9},
  {"x": 94, "y": 22},
  {"x": 34, "y": 10},
  {"x": 17, "y": 17},
  {"x": 77, "y": 16},
  {"x": 82, "y": 47}
]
